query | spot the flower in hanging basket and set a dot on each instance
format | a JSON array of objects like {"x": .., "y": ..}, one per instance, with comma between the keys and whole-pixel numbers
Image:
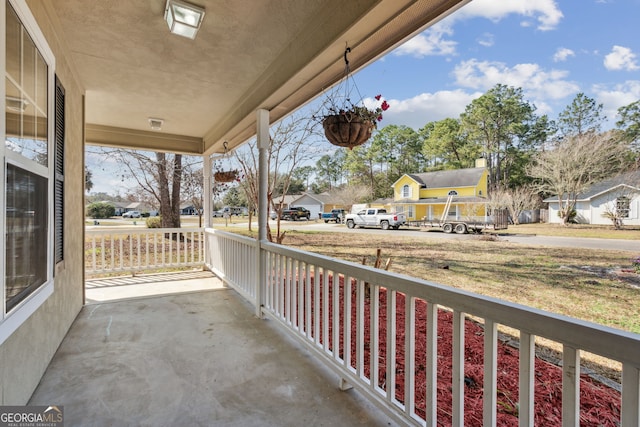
[{"x": 225, "y": 176}]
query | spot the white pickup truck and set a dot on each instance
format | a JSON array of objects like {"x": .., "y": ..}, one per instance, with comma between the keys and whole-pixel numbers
[{"x": 371, "y": 217}]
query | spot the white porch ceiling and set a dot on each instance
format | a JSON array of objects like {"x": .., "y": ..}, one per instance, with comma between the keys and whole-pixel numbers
[{"x": 249, "y": 54}]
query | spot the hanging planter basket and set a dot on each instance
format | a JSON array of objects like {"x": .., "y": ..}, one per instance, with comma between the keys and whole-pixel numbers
[
  {"x": 225, "y": 176},
  {"x": 347, "y": 123},
  {"x": 345, "y": 131}
]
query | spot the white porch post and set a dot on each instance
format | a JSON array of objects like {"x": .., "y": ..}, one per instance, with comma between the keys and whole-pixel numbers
[
  {"x": 262, "y": 132},
  {"x": 207, "y": 189}
]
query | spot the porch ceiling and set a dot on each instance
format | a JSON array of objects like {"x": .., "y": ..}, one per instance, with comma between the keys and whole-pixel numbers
[{"x": 272, "y": 54}]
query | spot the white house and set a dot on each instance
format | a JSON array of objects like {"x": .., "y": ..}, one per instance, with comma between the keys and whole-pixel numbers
[{"x": 618, "y": 194}]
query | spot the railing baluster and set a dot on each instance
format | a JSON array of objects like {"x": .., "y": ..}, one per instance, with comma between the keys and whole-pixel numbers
[
  {"x": 374, "y": 348},
  {"x": 526, "y": 379},
  {"x": 410, "y": 355},
  {"x": 630, "y": 416},
  {"x": 347, "y": 323},
  {"x": 290, "y": 295},
  {"x": 360, "y": 296},
  {"x": 93, "y": 246},
  {"x": 300, "y": 289},
  {"x": 458, "y": 369},
  {"x": 391, "y": 345},
  {"x": 335, "y": 309},
  {"x": 432, "y": 365},
  {"x": 325, "y": 309},
  {"x": 570, "y": 386},
  {"x": 316, "y": 306},
  {"x": 308, "y": 292},
  {"x": 489, "y": 395}
]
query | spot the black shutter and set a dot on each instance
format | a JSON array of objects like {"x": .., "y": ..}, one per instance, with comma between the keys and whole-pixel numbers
[{"x": 59, "y": 173}]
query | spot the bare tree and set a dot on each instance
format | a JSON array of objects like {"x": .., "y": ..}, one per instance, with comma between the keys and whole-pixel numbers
[
  {"x": 288, "y": 150},
  {"x": 575, "y": 163},
  {"x": 157, "y": 174},
  {"x": 350, "y": 195},
  {"x": 515, "y": 200}
]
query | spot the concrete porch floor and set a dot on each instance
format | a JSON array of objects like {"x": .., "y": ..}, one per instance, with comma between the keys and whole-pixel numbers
[{"x": 189, "y": 357}]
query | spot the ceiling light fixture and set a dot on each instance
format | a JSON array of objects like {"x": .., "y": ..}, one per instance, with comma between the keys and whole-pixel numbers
[
  {"x": 183, "y": 18},
  {"x": 156, "y": 124}
]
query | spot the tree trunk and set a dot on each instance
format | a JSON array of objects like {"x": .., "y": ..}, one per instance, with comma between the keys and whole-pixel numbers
[{"x": 169, "y": 198}]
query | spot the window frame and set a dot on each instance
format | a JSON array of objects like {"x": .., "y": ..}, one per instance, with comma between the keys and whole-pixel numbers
[
  {"x": 623, "y": 207},
  {"x": 12, "y": 320},
  {"x": 406, "y": 191}
]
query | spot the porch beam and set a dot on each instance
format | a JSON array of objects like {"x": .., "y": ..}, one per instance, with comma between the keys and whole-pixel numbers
[{"x": 111, "y": 136}]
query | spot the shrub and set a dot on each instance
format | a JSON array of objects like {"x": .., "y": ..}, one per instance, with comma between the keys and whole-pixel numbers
[
  {"x": 100, "y": 210},
  {"x": 154, "y": 222},
  {"x": 636, "y": 264}
]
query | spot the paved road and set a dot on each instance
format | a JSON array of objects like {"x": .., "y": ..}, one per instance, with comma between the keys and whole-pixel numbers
[{"x": 526, "y": 239}]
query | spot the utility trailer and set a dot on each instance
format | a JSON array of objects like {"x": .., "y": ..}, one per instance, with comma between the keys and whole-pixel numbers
[{"x": 498, "y": 221}]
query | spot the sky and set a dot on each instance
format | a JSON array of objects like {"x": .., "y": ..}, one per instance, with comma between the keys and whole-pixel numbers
[{"x": 552, "y": 49}]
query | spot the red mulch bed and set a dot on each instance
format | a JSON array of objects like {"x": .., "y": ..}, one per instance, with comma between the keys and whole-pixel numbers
[{"x": 599, "y": 404}]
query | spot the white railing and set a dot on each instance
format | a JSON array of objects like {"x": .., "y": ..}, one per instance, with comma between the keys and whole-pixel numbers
[
  {"x": 130, "y": 250},
  {"x": 233, "y": 259},
  {"x": 393, "y": 325}
]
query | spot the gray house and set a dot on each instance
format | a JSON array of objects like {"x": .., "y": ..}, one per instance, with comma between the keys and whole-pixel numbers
[{"x": 619, "y": 194}]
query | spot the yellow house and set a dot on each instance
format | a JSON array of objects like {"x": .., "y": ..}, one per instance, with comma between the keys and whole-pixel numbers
[{"x": 424, "y": 195}]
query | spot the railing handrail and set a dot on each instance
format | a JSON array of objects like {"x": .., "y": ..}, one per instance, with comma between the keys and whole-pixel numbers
[{"x": 606, "y": 341}]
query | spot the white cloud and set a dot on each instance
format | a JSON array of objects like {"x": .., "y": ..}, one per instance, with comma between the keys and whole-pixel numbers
[
  {"x": 484, "y": 75},
  {"x": 562, "y": 54},
  {"x": 430, "y": 42},
  {"x": 487, "y": 40},
  {"x": 621, "y": 58},
  {"x": 421, "y": 109},
  {"x": 540, "y": 87},
  {"x": 546, "y": 13},
  {"x": 614, "y": 97}
]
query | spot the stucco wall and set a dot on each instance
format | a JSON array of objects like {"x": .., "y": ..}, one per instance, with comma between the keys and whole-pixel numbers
[{"x": 25, "y": 355}]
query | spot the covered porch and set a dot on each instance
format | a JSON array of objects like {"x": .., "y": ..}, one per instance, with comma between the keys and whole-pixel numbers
[{"x": 297, "y": 326}]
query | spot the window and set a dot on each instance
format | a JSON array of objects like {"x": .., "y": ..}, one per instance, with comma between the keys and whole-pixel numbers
[
  {"x": 28, "y": 159},
  {"x": 452, "y": 193},
  {"x": 406, "y": 191},
  {"x": 26, "y": 222},
  {"x": 623, "y": 205}
]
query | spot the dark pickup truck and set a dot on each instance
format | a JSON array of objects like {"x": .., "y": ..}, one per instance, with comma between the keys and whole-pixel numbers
[{"x": 296, "y": 213}]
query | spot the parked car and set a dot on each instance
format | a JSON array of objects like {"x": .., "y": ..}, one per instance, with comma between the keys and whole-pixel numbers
[
  {"x": 217, "y": 214},
  {"x": 131, "y": 214},
  {"x": 296, "y": 213}
]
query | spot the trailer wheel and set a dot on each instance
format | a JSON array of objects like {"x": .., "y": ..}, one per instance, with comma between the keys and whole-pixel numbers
[
  {"x": 384, "y": 225},
  {"x": 461, "y": 228},
  {"x": 447, "y": 228},
  {"x": 350, "y": 223}
]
